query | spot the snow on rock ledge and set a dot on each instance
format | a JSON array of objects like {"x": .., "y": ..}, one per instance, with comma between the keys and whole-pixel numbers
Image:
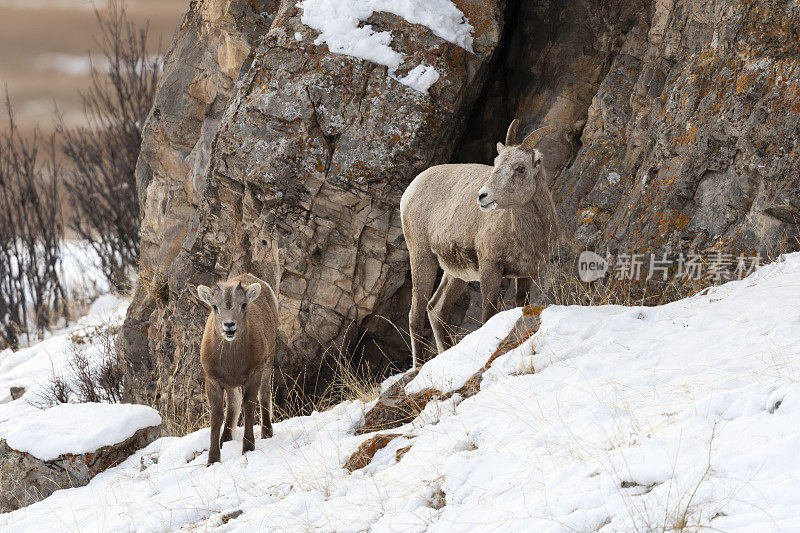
[
  {"x": 76, "y": 428},
  {"x": 340, "y": 25},
  {"x": 66, "y": 445},
  {"x": 451, "y": 369}
]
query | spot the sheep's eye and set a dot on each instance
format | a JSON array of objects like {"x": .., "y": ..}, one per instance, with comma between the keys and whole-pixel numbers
[
  {"x": 538, "y": 163},
  {"x": 214, "y": 307},
  {"x": 520, "y": 169},
  {"x": 244, "y": 305}
]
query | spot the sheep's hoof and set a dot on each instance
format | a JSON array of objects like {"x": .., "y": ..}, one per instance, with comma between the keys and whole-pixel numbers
[
  {"x": 212, "y": 459},
  {"x": 226, "y": 436},
  {"x": 266, "y": 432},
  {"x": 248, "y": 446}
]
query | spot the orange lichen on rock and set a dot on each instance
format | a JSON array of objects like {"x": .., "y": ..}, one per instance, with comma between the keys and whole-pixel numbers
[{"x": 367, "y": 450}]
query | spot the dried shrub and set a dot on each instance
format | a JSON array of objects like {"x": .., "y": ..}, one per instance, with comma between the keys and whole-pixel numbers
[
  {"x": 103, "y": 154},
  {"x": 87, "y": 379},
  {"x": 57, "y": 391},
  {"x": 30, "y": 233},
  {"x": 83, "y": 377}
]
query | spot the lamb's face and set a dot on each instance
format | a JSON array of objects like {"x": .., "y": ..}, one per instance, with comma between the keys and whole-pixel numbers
[
  {"x": 517, "y": 176},
  {"x": 228, "y": 303}
]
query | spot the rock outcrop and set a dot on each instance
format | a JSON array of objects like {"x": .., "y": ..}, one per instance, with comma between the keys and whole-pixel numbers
[
  {"x": 678, "y": 130},
  {"x": 26, "y": 479},
  {"x": 698, "y": 118},
  {"x": 304, "y": 179},
  {"x": 678, "y": 119},
  {"x": 210, "y": 47}
]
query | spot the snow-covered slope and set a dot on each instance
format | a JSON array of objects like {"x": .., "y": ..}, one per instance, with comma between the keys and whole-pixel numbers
[{"x": 608, "y": 418}]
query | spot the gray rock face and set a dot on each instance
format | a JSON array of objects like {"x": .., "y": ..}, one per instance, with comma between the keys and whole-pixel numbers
[
  {"x": 699, "y": 118},
  {"x": 678, "y": 129},
  {"x": 678, "y": 119},
  {"x": 210, "y": 46},
  {"x": 26, "y": 479},
  {"x": 305, "y": 176}
]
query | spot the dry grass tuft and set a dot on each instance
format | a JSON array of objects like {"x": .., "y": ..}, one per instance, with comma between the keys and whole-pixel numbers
[{"x": 349, "y": 382}]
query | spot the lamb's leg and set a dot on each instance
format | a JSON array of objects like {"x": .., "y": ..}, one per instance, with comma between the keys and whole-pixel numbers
[
  {"x": 523, "y": 293},
  {"x": 265, "y": 399},
  {"x": 491, "y": 277},
  {"x": 249, "y": 403},
  {"x": 423, "y": 276},
  {"x": 440, "y": 307},
  {"x": 233, "y": 406},
  {"x": 215, "y": 401}
]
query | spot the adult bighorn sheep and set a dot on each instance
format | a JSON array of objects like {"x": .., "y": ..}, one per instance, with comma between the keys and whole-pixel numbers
[
  {"x": 237, "y": 354},
  {"x": 478, "y": 223}
]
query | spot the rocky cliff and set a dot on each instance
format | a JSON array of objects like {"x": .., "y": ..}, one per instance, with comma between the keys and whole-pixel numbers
[{"x": 268, "y": 152}]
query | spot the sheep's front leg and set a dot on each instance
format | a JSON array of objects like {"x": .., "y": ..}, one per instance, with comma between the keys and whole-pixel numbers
[
  {"x": 216, "y": 401},
  {"x": 233, "y": 405},
  {"x": 249, "y": 403},
  {"x": 491, "y": 276}
]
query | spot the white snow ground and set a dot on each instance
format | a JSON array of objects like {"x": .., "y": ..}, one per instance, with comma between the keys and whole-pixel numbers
[
  {"x": 609, "y": 418},
  {"x": 340, "y": 23}
]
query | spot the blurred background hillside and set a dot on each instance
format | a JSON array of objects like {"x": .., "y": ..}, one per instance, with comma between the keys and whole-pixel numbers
[
  {"x": 44, "y": 47},
  {"x": 84, "y": 74}
]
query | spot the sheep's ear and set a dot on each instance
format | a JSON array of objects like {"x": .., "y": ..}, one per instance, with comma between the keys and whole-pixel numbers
[
  {"x": 511, "y": 134},
  {"x": 534, "y": 137},
  {"x": 500, "y": 147},
  {"x": 205, "y": 294},
  {"x": 253, "y": 291}
]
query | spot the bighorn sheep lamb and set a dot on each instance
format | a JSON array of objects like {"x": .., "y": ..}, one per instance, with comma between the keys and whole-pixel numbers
[
  {"x": 479, "y": 223},
  {"x": 237, "y": 355}
]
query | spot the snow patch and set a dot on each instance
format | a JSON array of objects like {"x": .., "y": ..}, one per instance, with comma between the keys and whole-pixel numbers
[
  {"x": 339, "y": 23},
  {"x": 106, "y": 305},
  {"x": 451, "y": 369},
  {"x": 420, "y": 78},
  {"x": 32, "y": 367},
  {"x": 79, "y": 428}
]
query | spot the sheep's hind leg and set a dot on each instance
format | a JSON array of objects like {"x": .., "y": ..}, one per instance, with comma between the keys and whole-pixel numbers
[
  {"x": 424, "y": 267},
  {"x": 265, "y": 401},
  {"x": 440, "y": 307},
  {"x": 233, "y": 406}
]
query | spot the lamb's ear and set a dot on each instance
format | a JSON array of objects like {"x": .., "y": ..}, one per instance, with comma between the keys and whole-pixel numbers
[
  {"x": 500, "y": 147},
  {"x": 205, "y": 294},
  {"x": 253, "y": 291}
]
